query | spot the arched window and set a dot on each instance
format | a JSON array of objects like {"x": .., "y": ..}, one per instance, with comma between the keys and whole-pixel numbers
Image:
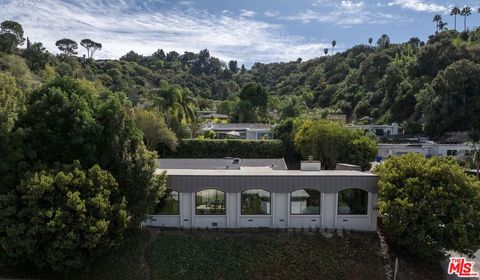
[
  {"x": 169, "y": 204},
  {"x": 210, "y": 202},
  {"x": 352, "y": 202},
  {"x": 255, "y": 202},
  {"x": 305, "y": 202}
]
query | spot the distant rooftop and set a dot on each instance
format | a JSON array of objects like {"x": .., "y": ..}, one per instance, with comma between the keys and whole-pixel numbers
[
  {"x": 237, "y": 126},
  {"x": 221, "y": 163}
]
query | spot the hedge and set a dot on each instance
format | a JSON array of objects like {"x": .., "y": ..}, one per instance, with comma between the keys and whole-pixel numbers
[{"x": 221, "y": 148}]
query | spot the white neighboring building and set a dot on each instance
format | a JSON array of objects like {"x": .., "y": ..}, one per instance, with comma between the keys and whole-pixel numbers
[
  {"x": 252, "y": 197},
  {"x": 426, "y": 149},
  {"x": 379, "y": 130},
  {"x": 249, "y": 131}
]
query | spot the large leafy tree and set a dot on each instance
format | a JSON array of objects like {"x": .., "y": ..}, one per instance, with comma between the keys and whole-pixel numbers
[
  {"x": 62, "y": 218},
  {"x": 71, "y": 119},
  {"x": 331, "y": 143},
  {"x": 36, "y": 56},
  {"x": 11, "y": 36},
  {"x": 67, "y": 46},
  {"x": 430, "y": 206},
  {"x": 155, "y": 131},
  {"x": 90, "y": 46}
]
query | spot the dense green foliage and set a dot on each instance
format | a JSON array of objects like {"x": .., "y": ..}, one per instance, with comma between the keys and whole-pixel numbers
[
  {"x": 220, "y": 148},
  {"x": 62, "y": 218},
  {"x": 331, "y": 143},
  {"x": 430, "y": 206},
  {"x": 389, "y": 82},
  {"x": 60, "y": 215},
  {"x": 12, "y": 100},
  {"x": 155, "y": 131}
]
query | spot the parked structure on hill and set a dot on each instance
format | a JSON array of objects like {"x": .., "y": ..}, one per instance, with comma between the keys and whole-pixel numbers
[
  {"x": 250, "y": 131},
  {"x": 264, "y": 197}
]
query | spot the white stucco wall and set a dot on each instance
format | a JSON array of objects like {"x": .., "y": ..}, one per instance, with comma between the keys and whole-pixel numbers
[{"x": 280, "y": 216}]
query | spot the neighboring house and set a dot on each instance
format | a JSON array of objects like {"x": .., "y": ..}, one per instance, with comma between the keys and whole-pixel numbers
[
  {"x": 250, "y": 131},
  {"x": 380, "y": 130},
  {"x": 427, "y": 149},
  {"x": 221, "y": 163},
  {"x": 259, "y": 196},
  {"x": 212, "y": 115}
]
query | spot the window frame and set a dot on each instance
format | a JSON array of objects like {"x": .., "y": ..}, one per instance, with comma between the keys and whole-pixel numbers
[
  {"x": 224, "y": 202},
  {"x": 319, "y": 203},
  {"x": 350, "y": 214},
  {"x": 269, "y": 208}
]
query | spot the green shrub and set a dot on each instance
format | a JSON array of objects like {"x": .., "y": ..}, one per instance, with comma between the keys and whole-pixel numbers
[{"x": 220, "y": 148}]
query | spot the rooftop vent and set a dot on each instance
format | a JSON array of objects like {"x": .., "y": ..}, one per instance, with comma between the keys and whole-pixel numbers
[{"x": 310, "y": 165}]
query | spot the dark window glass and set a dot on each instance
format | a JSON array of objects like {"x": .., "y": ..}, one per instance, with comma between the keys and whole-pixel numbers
[
  {"x": 305, "y": 202},
  {"x": 169, "y": 204},
  {"x": 352, "y": 202},
  {"x": 255, "y": 202},
  {"x": 210, "y": 202}
]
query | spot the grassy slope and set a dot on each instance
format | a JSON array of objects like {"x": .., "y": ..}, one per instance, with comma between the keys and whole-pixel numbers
[
  {"x": 253, "y": 255},
  {"x": 247, "y": 255}
]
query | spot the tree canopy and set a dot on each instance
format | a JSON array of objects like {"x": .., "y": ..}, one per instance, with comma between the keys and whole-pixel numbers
[
  {"x": 430, "y": 206},
  {"x": 331, "y": 143}
]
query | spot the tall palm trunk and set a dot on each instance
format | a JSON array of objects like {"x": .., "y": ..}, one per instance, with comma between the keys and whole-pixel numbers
[
  {"x": 465, "y": 23},
  {"x": 455, "y": 21}
]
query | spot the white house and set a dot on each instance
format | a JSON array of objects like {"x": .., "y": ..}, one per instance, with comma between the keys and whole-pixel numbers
[
  {"x": 379, "y": 130},
  {"x": 264, "y": 197},
  {"x": 428, "y": 149},
  {"x": 250, "y": 131}
]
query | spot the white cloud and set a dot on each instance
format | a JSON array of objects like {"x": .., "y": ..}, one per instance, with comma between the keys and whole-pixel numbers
[
  {"x": 344, "y": 13},
  {"x": 271, "y": 13},
  {"x": 419, "y": 5},
  {"x": 144, "y": 27},
  {"x": 247, "y": 13}
]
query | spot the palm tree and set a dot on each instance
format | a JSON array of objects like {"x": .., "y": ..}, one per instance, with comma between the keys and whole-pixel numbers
[
  {"x": 454, "y": 12},
  {"x": 466, "y": 11},
  {"x": 370, "y": 41},
  {"x": 334, "y": 43},
  {"x": 325, "y": 51},
  {"x": 187, "y": 103},
  {"x": 437, "y": 18},
  {"x": 442, "y": 26}
]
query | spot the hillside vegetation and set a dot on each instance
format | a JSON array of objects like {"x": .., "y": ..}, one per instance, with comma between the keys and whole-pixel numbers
[{"x": 430, "y": 86}]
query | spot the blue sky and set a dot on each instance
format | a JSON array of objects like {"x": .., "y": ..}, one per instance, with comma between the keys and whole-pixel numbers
[{"x": 247, "y": 30}]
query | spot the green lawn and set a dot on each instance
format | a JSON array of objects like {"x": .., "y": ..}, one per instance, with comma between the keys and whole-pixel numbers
[{"x": 248, "y": 254}]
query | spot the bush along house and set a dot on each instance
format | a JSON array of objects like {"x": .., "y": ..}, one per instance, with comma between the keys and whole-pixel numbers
[{"x": 237, "y": 195}]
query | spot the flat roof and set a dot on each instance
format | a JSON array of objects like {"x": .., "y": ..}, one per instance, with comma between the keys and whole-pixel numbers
[
  {"x": 220, "y": 163},
  {"x": 261, "y": 171}
]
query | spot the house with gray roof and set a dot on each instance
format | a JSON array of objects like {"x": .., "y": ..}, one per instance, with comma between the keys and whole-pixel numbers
[
  {"x": 249, "y": 131},
  {"x": 262, "y": 193}
]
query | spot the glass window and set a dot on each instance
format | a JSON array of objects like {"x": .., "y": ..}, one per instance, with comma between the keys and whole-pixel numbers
[
  {"x": 305, "y": 202},
  {"x": 352, "y": 202},
  {"x": 169, "y": 204},
  {"x": 210, "y": 202},
  {"x": 255, "y": 202}
]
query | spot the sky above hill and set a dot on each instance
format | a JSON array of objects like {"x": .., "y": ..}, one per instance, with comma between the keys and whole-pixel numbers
[{"x": 246, "y": 30}]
